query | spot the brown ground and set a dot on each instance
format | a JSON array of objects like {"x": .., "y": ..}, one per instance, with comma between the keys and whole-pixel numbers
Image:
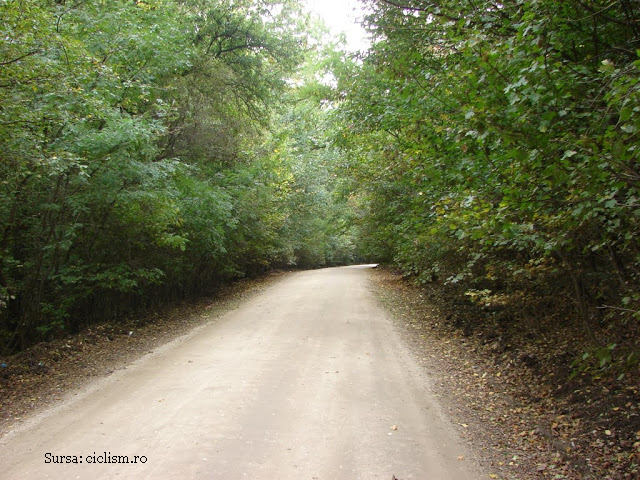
[
  {"x": 511, "y": 397},
  {"x": 512, "y": 394},
  {"x": 46, "y": 373}
]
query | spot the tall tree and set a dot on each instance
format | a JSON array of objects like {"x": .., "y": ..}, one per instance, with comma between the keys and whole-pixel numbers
[
  {"x": 127, "y": 131},
  {"x": 502, "y": 138}
]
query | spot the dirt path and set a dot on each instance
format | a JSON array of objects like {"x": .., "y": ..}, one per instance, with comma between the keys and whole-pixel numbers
[{"x": 308, "y": 380}]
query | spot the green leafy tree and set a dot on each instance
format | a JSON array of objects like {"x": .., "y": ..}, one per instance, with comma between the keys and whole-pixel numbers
[
  {"x": 498, "y": 141},
  {"x": 125, "y": 127}
]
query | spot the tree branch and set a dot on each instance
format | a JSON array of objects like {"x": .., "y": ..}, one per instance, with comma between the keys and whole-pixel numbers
[
  {"x": 418, "y": 9},
  {"x": 34, "y": 52}
]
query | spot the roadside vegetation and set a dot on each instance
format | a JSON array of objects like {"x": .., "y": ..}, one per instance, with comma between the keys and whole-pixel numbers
[
  {"x": 152, "y": 151},
  {"x": 494, "y": 147},
  {"x": 495, "y": 150}
]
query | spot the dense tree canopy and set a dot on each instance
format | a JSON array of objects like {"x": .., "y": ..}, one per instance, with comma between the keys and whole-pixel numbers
[
  {"x": 495, "y": 146},
  {"x": 142, "y": 156},
  {"x": 154, "y": 149}
]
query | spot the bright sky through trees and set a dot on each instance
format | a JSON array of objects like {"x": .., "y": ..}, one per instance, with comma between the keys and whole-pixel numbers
[{"x": 342, "y": 16}]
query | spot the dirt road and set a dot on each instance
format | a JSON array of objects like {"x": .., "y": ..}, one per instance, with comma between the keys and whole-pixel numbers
[{"x": 308, "y": 380}]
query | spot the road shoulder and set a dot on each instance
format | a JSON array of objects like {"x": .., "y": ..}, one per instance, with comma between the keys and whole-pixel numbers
[
  {"x": 505, "y": 433},
  {"x": 49, "y": 373}
]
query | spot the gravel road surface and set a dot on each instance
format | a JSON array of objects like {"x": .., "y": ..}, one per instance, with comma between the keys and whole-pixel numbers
[{"x": 308, "y": 380}]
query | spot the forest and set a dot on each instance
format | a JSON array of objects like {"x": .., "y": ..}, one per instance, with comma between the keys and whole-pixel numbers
[
  {"x": 154, "y": 150},
  {"x": 494, "y": 149},
  {"x": 486, "y": 152}
]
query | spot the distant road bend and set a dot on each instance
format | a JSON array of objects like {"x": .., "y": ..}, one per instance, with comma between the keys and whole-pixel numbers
[{"x": 306, "y": 380}]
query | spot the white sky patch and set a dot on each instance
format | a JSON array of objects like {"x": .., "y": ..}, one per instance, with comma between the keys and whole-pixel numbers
[{"x": 342, "y": 16}]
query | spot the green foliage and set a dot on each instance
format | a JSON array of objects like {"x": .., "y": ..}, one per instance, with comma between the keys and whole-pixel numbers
[
  {"x": 315, "y": 219},
  {"x": 502, "y": 138},
  {"x": 137, "y": 163}
]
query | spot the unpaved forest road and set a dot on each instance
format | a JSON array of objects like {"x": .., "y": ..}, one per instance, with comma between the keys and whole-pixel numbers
[{"x": 307, "y": 380}]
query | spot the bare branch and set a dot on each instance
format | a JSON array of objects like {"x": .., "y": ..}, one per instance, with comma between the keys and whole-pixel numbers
[{"x": 34, "y": 52}]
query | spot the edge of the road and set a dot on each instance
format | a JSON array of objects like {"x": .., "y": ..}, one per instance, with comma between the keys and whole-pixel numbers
[{"x": 160, "y": 332}]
